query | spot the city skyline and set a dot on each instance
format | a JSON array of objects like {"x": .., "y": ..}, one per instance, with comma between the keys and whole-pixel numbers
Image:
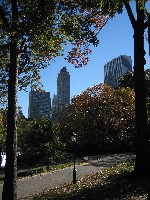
[
  {"x": 116, "y": 38},
  {"x": 40, "y": 101},
  {"x": 112, "y": 69}
]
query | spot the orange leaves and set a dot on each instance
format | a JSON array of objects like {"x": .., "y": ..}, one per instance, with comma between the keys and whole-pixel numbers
[
  {"x": 101, "y": 115},
  {"x": 79, "y": 55},
  {"x": 84, "y": 20}
]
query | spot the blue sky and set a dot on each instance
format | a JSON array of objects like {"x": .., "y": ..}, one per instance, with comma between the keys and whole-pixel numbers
[{"x": 116, "y": 38}]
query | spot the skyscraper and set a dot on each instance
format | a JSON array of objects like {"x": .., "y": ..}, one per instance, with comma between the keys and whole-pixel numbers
[
  {"x": 54, "y": 101},
  {"x": 115, "y": 68},
  {"x": 20, "y": 113},
  {"x": 39, "y": 104},
  {"x": 63, "y": 88},
  {"x": 54, "y": 112}
]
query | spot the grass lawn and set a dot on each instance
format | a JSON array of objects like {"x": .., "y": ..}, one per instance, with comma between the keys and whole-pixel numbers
[{"x": 109, "y": 184}]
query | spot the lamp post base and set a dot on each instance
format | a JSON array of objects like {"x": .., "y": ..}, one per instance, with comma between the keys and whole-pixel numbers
[{"x": 74, "y": 176}]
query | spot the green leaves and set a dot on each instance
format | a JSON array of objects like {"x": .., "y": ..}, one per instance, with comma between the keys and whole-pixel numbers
[
  {"x": 42, "y": 31},
  {"x": 39, "y": 139}
]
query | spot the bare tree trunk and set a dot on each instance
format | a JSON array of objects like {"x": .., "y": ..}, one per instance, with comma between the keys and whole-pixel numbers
[{"x": 9, "y": 188}]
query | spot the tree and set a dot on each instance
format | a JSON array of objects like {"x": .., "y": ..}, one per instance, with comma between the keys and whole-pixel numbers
[
  {"x": 102, "y": 118},
  {"x": 126, "y": 80},
  {"x": 38, "y": 140},
  {"x": 142, "y": 162},
  {"x": 139, "y": 25},
  {"x": 29, "y": 40}
]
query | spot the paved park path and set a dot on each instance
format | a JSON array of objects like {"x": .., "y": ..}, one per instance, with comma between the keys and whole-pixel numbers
[{"x": 38, "y": 183}]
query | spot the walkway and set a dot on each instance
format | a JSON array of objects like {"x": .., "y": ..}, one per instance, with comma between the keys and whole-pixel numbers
[{"x": 30, "y": 185}]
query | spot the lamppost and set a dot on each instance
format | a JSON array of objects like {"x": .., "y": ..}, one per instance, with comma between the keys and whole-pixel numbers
[{"x": 73, "y": 138}]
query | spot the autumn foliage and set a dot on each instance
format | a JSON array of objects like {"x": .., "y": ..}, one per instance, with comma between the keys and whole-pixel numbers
[{"x": 102, "y": 118}]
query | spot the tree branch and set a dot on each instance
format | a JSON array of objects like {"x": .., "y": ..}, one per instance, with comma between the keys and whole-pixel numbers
[
  {"x": 146, "y": 25},
  {"x": 22, "y": 46},
  {"x": 4, "y": 19},
  {"x": 130, "y": 14}
]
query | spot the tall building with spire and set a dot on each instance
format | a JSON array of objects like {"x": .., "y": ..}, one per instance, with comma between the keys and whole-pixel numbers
[
  {"x": 63, "y": 88},
  {"x": 115, "y": 68}
]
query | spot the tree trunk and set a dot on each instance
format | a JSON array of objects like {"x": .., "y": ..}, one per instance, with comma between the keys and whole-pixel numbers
[
  {"x": 9, "y": 188},
  {"x": 141, "y": 163}
]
